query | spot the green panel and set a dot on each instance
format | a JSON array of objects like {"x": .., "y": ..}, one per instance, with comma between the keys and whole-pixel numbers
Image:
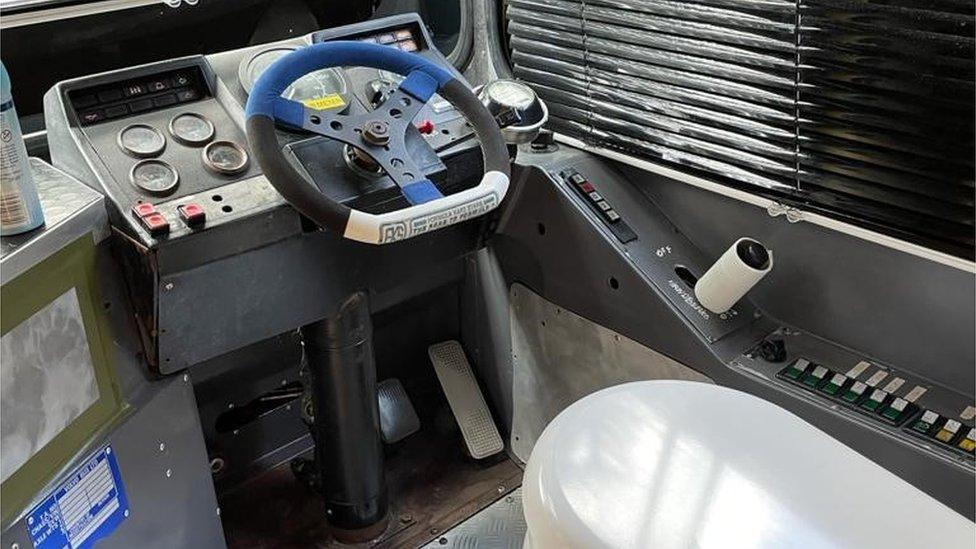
[{"x": 71, "y": 267}]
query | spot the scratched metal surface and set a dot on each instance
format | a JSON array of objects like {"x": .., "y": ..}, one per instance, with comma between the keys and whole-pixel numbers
[
  {"x": 71, "y": 209},
  {"x": 501, "y": 525}
]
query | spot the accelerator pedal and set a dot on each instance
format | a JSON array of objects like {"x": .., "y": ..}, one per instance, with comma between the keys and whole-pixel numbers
[
  {"x": 398, "y": 419},
  {"x": 467, "y": 403}
]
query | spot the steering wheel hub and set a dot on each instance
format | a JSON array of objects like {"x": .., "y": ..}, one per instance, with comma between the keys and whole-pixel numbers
[{"x": 376, "y": 132}]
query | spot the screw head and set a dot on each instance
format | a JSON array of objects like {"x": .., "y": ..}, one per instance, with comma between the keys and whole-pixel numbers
[
  {"x": 168, "y": 286},
  {"x": 162, "y": 446},
  {"x": 169, "y": 473}
]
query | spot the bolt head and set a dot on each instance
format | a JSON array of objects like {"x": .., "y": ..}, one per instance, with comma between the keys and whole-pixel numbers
[{"x": 376, "y": 132}]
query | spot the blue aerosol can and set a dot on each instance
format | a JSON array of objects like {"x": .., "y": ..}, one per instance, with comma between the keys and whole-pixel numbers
[{"x": 20, "y": 208}]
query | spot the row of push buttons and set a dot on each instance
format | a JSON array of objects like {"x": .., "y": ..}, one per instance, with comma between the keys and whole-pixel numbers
[
  {"x": 589, "y": 191},
  {"x": 945, "y": 430},
  {"x": 876, "y": 402},
  {"x": 599, "y": 204},
  {"x": 192, "y": 215},
  {"x": 135, "y": 97},
  {"x": 402, "y": 39},
  {"x": 880, "y": 404}
]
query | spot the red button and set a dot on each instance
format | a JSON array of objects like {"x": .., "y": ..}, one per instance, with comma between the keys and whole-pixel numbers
[
  {"x": 192, "y": 214},
  {"x": 426, "y": 127},
  {"x": 143, "y": 209},
  {"x": 587, "y": 187},
  {"x": 155, "y": 223}
]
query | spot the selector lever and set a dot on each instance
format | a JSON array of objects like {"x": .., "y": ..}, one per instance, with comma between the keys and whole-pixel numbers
[{"x": 735, "y": 273}]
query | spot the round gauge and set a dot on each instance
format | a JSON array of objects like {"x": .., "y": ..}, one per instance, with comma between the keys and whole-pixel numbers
[
  {"x": 321, "y": 89},
  {"x": 141, "y": 141},
  {"x": 154, "y": 176},
  {"x": 225, "y": 157},
  {"x": 510, "y": 94},
  {"x": 191, "y": 129}
]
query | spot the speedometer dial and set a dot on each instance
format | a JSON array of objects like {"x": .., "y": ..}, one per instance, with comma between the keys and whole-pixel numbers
[{"x": 322, "y": 89}]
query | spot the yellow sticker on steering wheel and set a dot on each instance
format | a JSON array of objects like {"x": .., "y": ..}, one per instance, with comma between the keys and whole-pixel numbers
[{"x": 328, "y": 102}]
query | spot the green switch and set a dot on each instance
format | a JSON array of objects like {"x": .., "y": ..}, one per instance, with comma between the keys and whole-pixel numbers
[
  {"x": 925, "y": 423},
  {"x": 897, "y": 410},
  {"x": 814, "y": 378},
  {"x": 834, "y": 386},
  {"x": 875, "y": 400},
  {"x": 795, "y": 370},
  {"x": 855, "y": 392}
]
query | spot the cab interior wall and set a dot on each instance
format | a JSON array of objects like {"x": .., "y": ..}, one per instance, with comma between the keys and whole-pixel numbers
[{"x": 211, "y": 326}]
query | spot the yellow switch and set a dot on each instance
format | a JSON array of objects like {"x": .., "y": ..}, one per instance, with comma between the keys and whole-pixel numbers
[
  {"x": 968, "y": 444},
  {"x": 948, "y": 431}
]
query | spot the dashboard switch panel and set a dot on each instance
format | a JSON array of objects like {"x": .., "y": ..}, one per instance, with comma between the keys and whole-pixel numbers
[
  {"x": 137, "y": 95},
  {"x": 596, "y": 202}
]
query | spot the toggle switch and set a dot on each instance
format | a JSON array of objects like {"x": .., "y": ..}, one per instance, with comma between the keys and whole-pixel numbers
[
  {"x": 836, "y": 384},
  {"x": 814, "y": 378},
  {"x": 155, "y": 223},
  {"x": 192, "y": 214},
  {"x": 855, "y": 392},
  {"x": 898, "y": 410},
  {"x": 925, "y": 423},
  {"x": 948, "y": 431},
  {"x": 968, "y": 444},
  {"x": 143, "y": 209},
  {"x": 795, "y": 371},
  {"x": 874, "y": 402}
]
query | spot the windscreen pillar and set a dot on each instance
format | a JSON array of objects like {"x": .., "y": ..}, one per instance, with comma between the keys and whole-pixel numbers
[{"x": 346, "y": 426}]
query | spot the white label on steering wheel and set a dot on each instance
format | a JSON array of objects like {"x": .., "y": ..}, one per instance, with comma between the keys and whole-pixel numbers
[
  {"x": 423, "y": 218},
  {"x": 400, "y": 230}
]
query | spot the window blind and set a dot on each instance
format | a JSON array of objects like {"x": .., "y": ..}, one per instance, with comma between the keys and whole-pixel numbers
[{"x": 859, "y": 109}]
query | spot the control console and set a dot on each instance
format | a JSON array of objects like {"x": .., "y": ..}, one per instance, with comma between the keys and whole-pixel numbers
[{"x": 191, "y": 209}]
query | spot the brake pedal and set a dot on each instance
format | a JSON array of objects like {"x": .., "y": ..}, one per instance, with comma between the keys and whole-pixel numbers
[
  {"x": 465, "y": 398},
  {"x": 398, "y": 419}
]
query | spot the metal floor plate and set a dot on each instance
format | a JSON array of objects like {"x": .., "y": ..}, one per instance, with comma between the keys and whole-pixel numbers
[{"x": 501, "y": 525}]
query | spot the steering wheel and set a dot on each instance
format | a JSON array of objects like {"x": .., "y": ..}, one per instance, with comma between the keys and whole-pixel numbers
[{"x": 381, "y": 134}]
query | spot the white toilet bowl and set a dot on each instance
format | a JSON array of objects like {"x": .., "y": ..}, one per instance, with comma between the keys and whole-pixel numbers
[{"x": 682, "y": 464}]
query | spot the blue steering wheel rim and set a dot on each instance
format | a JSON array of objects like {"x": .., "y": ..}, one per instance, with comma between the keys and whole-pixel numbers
[{"x": 423, "y": 78}]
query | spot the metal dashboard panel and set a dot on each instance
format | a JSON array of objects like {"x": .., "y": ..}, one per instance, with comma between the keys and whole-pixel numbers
[
  {"x": 659, "y": 248},
  {"x": 164, "y": 468},
  {"x": 71, "y": 209}
]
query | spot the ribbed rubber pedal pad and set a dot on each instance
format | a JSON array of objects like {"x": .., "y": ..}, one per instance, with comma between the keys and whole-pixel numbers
[
  {"x": 465, "y": 398},
  {"x": 398, "y": 419}
]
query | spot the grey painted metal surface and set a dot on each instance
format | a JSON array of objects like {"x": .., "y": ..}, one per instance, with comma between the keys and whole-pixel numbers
[
  {"x": 559, "y": 357},
  {"x": 71, "y": 210},
  {"x": 570, "y": 264},
  {"x": 659, "y": 254},
  {"x": 162, "y": 460},
  {"x": 898, "y": 307},
  {"x": 501, "y": 525},
  {"x": 944, "y": 401}
]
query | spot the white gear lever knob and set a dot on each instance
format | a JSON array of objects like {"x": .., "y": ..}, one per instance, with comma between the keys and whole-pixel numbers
[{"x": 735, "y": 273}]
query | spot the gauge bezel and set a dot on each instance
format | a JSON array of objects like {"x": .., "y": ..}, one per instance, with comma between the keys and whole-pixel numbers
[
  {"x": 247, "y": 81},
  {"x": 191, "y": 142},
  {"x": 245, "y": 159},
  {"x": 136, "y": 154},
  {"x": 163, "y": 192}
]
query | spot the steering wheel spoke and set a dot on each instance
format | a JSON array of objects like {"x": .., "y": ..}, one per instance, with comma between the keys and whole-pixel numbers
[{"x": 400, "y": 105}]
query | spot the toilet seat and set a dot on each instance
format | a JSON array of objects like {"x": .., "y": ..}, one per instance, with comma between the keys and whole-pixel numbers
[{"x": 684, "y": 464}]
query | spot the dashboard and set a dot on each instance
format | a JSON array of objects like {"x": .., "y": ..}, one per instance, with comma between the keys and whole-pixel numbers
[
  {"x": 165, "y": 142},
  {"x": 167, "y": 138}
]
